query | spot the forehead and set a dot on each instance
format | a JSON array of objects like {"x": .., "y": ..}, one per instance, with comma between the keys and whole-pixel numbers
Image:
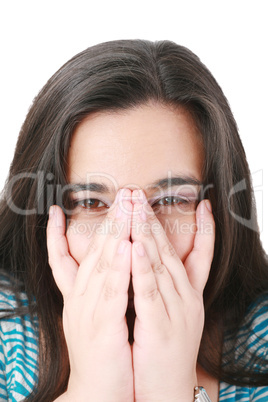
[{"x": 135, "y": 147}]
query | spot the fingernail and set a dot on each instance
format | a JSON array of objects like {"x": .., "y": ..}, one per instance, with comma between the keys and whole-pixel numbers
[
  {"x": 138, "y": 197},
  {"x": 208, "y": 205},
  {"x": 57, "y": 217},
  {"x": 51, "y": 211},
  {"x": 122, "y": 247},
  {"x": 135, "y": 196},
  {"x": 140, "y": 249},
  {"x": 116, "y": 198}
]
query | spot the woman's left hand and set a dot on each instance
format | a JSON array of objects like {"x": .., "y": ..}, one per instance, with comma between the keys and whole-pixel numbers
[{"x": 168, "y": 299}]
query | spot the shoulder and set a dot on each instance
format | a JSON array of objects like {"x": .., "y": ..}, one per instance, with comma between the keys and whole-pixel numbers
[
  {"x": 254, "y": 334},
  {"x": 18, "y": 345},
  {"x": 233, "y": 393},
  {"x": 254, "y": 324},
  {"x": 249, "y": 348},
  {"x": 10, "y": 299}
]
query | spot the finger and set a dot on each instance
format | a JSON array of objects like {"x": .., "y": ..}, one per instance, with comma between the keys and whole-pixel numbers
[
  {"x": 149, "y": 305},
  {"x": 113, "y": 300},
  {"x": 96, "y": 270},
  {"x": 64, "y": 268},
  {"x": 120, "y": 219},
  {"x": 141, "y": 231},
  {"x": 159, "y": 268},
  {"x": 199, "y": 261},
  {"x": 117, "y": 225},
  {"x": 158, "y": 246},
  {"x": 104, "y": 243}
]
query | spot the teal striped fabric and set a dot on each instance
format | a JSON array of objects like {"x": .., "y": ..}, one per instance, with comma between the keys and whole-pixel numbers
[
  {"x": 19, "y": 353},
  {"x": 251, "y": 349}
]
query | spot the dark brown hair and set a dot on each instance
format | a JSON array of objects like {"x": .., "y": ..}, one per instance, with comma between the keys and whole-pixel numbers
[{"x": 119, "y": 75}]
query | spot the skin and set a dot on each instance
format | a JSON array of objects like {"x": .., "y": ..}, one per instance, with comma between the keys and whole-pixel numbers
[
  {"x": 132, "y": 135},
  {"x": 162, "y": 267}
]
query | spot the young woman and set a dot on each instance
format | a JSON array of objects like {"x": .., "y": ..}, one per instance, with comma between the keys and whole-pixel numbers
[{"x": 148, "y": 280}]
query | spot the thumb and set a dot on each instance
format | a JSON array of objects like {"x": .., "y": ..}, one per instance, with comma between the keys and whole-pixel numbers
[
  {"x": 64, "y": 267},
  {"x": 199, "y": 260}
]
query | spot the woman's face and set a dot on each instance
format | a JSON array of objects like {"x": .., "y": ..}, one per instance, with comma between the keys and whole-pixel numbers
[{"x": 135, "y": 148}]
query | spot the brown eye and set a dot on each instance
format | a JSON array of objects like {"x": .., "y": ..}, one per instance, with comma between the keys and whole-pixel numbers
[
  {"x": 90, "y": 203},
  {"x": 167, "y": 201},
  {"x": 176, "y": 205}
]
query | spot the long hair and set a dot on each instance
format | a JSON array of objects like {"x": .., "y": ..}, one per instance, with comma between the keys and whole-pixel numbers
[{"x": 113, "y": 76}]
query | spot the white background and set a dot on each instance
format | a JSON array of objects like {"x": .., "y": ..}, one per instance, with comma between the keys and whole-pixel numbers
[{"x": 230, "y": 37}]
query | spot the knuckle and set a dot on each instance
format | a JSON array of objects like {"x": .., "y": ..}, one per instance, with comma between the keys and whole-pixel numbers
[
  {"x": 151, "y": 217},
  {"x": 158, "y": 267},
  {"x": 150, "y": 294},
  {"x": 168, "y": 249},
  {"x": 103, "y": 265},
  {"x": 110, "y": 291},
  {"x": 92, "y": 247}
]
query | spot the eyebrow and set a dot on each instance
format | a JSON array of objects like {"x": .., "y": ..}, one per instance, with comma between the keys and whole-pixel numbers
[
  {"x": 161, "y": 184},
  {"x": 175, "y": 181}
]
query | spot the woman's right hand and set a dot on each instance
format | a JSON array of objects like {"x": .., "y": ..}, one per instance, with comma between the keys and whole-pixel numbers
[{"x": 95, "y": 298}]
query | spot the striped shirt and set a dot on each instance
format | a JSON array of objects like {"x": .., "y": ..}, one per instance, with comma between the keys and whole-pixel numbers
[
  {"x": 19, "y": 353},
  {"x": 251, "y": 346}
]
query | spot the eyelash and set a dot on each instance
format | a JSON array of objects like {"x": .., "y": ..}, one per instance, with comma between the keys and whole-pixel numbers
[{"x": 181, "y": 200}]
